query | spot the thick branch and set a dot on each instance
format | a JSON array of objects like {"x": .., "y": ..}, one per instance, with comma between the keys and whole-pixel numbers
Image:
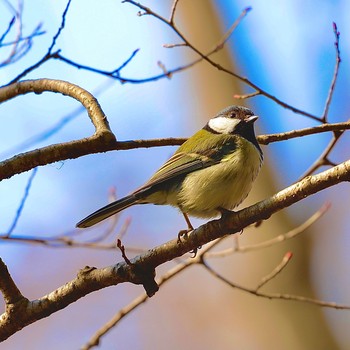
[
  {"x": 141, "y": 269},
  {"x": 8, "y": 287}
]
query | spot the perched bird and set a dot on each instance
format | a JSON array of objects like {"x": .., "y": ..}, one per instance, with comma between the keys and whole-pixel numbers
[{"x": 210, "y": 173}]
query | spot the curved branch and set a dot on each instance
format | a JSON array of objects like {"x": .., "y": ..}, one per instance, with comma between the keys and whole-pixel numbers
[
  {"x": 98, "y": 142},
  {"x": 140, "y": 270}
]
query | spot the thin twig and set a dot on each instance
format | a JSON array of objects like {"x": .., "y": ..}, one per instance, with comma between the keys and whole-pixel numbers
[
  {"x": 273, "y": 241},
  {"x": 49, "y": 53},
  {"x": 58, "y": 33},
  {"x": 126, "y": 310},
  {"x": 288, "y": 135},
  {"x": 63, "y": 241},
  {"x": 335, "y": 74},
  {"x": 170, "y": 46},
  {"x": 166, "y": 72},
  {"x": 245, "y": 96},
  {"x": 122, "y": 250},
  {"x": 277, "y": 270},
  {"x": 218, "y": 66},
  {"x": 7, "y": 30},
  {"x": 323, "y": 158},
  {"x": 24, "y": 38},
  {"x": 127, "y": 61},
  {"x": 173, "y": 10},
  {"x": 21, "y": 205},
  {"x": 277, "y": 296}
]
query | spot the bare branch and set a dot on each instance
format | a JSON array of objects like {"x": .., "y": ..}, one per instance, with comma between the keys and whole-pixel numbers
[
  {"x": 55, "y": 128},
  {"x": 63, "y": 23},
  {"x": 167, "y": 73},
  {"x": 21, "y": 206},
  {"x": 278, "y": 296},
  {"x": 277, "y": 270},
  {"x": 243, "y": 97},
  {"x": 8, "y": 288},
  {"x": 335, "y": 74},
  {"x": 283, "y": 136},
  {"x": 170, "y": 46},
  {"x": 49, "y": 53},
  {"x": 276, "y": 240},
  {"x": 73, "y": 149},
  {"x": 218, "y": 66},
  {"x": 36, "y": 32},
  {"x": 3, "y": 36},
  {"x": 173, "y": 10},
  {"x": 323, "y": 158},
  {"x": 62, "y": 241},
  {"x": 141, "y": 268},
  {"x": 126, "y": 310}
]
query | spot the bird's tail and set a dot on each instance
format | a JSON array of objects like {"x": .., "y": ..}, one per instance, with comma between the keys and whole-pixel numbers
[{"x": 107, "y": 211}]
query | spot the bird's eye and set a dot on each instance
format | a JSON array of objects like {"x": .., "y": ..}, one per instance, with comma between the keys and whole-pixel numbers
[{"x": 233, "y": 115}]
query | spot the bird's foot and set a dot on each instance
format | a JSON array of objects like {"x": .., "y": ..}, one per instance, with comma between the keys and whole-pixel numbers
[
  {"x": 183, "y": 233},
  {"x": 195, "y": 251}
]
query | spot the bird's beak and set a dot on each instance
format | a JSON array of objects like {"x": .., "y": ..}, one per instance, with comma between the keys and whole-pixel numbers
[{"x": 251, "y": 119}]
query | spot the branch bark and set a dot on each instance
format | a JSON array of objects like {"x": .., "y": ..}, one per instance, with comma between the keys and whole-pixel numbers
[{"x": 140, "y": 270}]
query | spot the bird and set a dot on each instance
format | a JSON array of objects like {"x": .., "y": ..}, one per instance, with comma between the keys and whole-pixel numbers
[{"x": 209, "y": 174}]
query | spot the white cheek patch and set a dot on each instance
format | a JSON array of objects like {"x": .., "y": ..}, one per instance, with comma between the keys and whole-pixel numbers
[{"x": 223, "y": 125}]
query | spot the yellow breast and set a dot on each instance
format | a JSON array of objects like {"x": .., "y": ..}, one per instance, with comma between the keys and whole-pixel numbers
[{"x": 223, "y": 185}]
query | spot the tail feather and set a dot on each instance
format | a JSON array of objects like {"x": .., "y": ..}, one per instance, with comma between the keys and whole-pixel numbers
[{"x": 107, "y": 211}]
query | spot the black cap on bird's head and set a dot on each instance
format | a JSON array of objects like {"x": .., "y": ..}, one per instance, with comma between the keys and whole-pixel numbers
[
  {"x": 238, "y": 112},
  {"x": 234, "y": 120}
]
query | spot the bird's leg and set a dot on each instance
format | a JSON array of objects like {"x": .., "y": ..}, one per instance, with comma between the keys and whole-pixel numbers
[{"x": 185, "y": 232}]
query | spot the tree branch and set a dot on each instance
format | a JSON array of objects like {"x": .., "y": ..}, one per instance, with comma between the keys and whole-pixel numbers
[
  {"x": 283, "y": 136},
  {"x": 216, "y": 65},
  {"x": 279, "y": 296},
  {"x": 140, "y": 270},
  {"x": 8, "y": 288},
  {"x": 335, "y": 74},
  {"x": 103, "y": 139}
]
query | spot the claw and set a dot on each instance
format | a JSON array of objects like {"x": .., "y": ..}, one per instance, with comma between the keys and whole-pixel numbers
[
  {"x": 195, "y": 251},
  {"x": 182, "y": 233},
  {"x": 185, "y": 232}
]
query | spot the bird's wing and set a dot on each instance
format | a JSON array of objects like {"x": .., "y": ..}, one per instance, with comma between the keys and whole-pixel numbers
[
  {"x": 178, "y": 165},
  {"x": 182, "y": 163}
]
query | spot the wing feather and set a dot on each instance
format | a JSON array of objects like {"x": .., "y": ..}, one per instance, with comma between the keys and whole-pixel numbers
[
  {"x": 183, "y": 163},
  {"x": 180, "y": 164}
]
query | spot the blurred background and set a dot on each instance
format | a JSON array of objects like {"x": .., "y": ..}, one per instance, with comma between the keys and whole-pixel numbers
[{"x": 287, "y": 48}]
